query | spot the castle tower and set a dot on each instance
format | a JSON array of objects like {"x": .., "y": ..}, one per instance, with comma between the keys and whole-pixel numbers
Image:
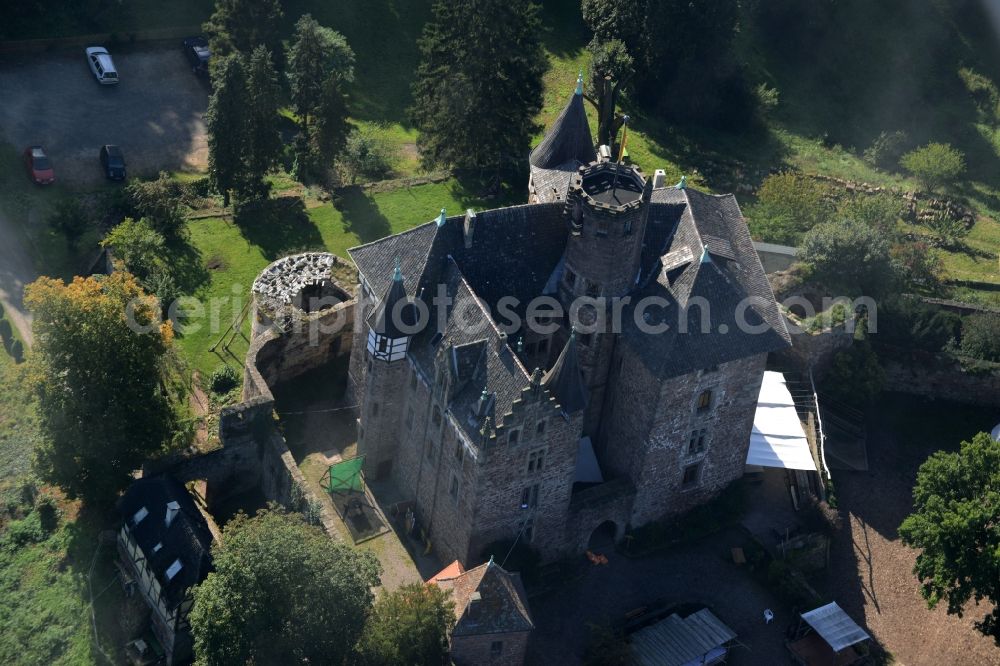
[
  {"x": 566, "y": 146},
  {"x": 390, "y": 326},
  {"x": 607, "y": 205}
]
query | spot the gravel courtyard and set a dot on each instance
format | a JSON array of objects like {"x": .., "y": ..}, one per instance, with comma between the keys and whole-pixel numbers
[{"x": 154, "y": 114}]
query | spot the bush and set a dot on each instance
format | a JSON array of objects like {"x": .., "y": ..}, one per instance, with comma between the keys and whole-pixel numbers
[
  {"x": 70, "y": 218},
  {"x": 788, "y": 205},
  {"x": 767, "y": 99},
  {"x": 879, "y": 211},
  {"x": 48, "y": 514},
  {"x": 6, "y": 333},
  {"x": 855, "y": 376},
  {"x": 912, "y": 324},
  {"x": 223, "y": 380},
  {"x": 367, "y": 156},
  {"x": 157, "y": 201},
  {"x": 138, "y": 245},
  {"x": 849, "y": 257},
  {"x": 887, "y": 149},
  {"x": 918, "y": 266},
  {"x": 981, "y": 337},
  {"x": 949, "y": 231},
  {"x": 934, "y": 164}
]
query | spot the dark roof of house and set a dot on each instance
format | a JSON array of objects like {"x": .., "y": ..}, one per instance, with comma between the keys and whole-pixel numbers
[
  {"x": 501, "y": 605},
  {"x": 696, "y": 250},
  {"x": 565, "y": 381},
  {"x": 186, "y": 539},
  {"x": 567, "y": 140}
]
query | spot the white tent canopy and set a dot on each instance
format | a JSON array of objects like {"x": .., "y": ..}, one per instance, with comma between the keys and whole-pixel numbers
[
  {"x": 835, "y": 626},
  {"x": 777, "y": 438}
]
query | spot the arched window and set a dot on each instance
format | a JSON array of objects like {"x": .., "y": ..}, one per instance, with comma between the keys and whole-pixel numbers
[{"x": 705, "y": 401}]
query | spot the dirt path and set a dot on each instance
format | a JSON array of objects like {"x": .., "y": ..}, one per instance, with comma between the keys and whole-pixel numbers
[{"x": 15, "y": 272}]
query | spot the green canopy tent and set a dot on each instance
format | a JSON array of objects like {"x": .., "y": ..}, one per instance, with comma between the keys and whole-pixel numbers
[{"x": 345, "y": 477}]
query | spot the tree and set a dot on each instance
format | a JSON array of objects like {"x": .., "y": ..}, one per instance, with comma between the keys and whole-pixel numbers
[
  {"x": 478, "y": 87},
  {"x": 934, "y": 164},
  {"x": 97, "y": 366},
  {"x": 855, "y": 376},
  {"x": 879, "y": 211},
  {"x": 138, "y": 245},
  {"x": 320, "y": 63},
  {"x": 954, "y": 523},
  {"x": 615, "y": 19},
  {"x": 264, "y": 144},
  {"x": 981, "y": 336},
  {"x": 281, "y": 592},
  {"x": 611, "y": 70},
  {"x": 226, "y": 122},
  {"x": 788, "y": 205},
  {"x": 70, "y": 219},
  {"x": 366, "y": 155},
  {"x": 408, "y": 626},
  {"x": 158, "y": 202},
  {"x": 919, "y": 266},
  {"x": 849, "y": 256},
  {"x": 239, "y": 26}
]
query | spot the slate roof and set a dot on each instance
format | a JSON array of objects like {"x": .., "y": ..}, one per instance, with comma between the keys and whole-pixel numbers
[
  {"x": 187, "y": 538},
  {"x": 568, "y": 139},
  {"x": 565, "y": 381},
  {"x": 502, "y": 606},
  {"x": 696, "y": 250}
]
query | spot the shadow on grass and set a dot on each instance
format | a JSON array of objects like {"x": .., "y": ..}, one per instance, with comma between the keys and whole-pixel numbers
[
  {"x": 362, "y": 215},
  {"x": 278, "y": 226},
  {"x": 186, "y": 266}
]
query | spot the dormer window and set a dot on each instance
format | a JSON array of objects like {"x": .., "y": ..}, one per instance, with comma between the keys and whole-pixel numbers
[
  {"x": 704, "y": 401},
  {"x": 174, "y": 569},
  {"x": 139, "y": 515},
  {"x": 157, "y": 547}
]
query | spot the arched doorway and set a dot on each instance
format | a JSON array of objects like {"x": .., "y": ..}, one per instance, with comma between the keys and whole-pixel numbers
[{"x": 603, "y": 535}]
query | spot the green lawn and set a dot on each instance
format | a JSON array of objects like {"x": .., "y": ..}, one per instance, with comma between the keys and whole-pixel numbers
[{"x": 234, "y": 255}]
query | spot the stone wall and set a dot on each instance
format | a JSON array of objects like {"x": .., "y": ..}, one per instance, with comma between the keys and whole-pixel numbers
[
  {"x": 937, "y": 376},
  {"x": 478, "y": 650},
  {"x": 814, "y": 350},
  {"x": 725, "y": 426},
  {"x": 594, "y": 506}
]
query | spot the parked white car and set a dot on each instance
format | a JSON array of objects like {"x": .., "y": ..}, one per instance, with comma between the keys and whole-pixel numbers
[{"x": 102, "y": 65}]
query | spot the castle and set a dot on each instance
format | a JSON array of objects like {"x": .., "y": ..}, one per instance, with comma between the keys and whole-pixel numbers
[{"x": 566, "y": 368}]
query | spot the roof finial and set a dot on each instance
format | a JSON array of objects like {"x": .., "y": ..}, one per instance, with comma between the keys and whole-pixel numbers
[
  {"x": 705, "y": 257},
  {"x": 442, "y": 218},
  {"x": 397, "y": 275},
  {"x": 579, "y": 83},
  {"x": 682, "y": 184}
]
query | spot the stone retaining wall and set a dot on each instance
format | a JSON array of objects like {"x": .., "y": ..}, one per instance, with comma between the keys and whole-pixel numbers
[{"x": 937, "y": 376}]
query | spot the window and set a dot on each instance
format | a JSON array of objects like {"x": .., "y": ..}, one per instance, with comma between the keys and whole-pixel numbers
[
  {"x": 496, "y": 648},
  {"x": 430, "y": 449},
  {"x": 437, "y": 416},
  {"x": 570, "y": 278},
  {"x": 691, "y": 474},
  {"x": 529, "y": 497},
  {"x": 513, "y": 437},
  {"x": 382, "y": 343},
  {"x": 602, "y": 228},
  {"x": 704, "y": 401},
  {"x": 528, "y": 530},
  {"x": 593, "y": 289},
  {"x": 453, "y": 491},
  {"x": 697, "y": 442},
  {"x": 409, "y": 417},
  {"x": 540, "y": 428},
  {"x": 459, "y": 451},
  {"x": 543, "y": 346},
  {"x": 536, "y": 459},
  {"x": 374, "y": 409}
]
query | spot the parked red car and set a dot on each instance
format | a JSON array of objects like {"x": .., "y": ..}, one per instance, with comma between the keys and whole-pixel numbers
[{"x": 38, "y": 165}]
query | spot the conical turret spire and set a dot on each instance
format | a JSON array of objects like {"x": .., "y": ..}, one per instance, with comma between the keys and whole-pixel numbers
[
  {"x": 569, "y": 137},
  {"x": 565, "y": 380},
  {"x": 387, "y": 316}
]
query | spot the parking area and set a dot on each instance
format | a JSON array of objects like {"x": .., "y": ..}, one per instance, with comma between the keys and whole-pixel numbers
[{"x": 155, "y": 113}]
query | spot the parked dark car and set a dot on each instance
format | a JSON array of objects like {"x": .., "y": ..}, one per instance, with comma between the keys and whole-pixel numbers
[
  {"x": 38, "y": 165},
  {"x": 113, "y": 162},
  {"x": 197, "y": 53}
]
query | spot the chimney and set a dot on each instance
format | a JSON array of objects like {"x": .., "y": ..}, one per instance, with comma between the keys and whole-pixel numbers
[
  {"x": 469, "y": 228},
  {"x": 604, "y": 154},
  {"x": 173, "y": 508},
  {"x": 659, "y": 179}
]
